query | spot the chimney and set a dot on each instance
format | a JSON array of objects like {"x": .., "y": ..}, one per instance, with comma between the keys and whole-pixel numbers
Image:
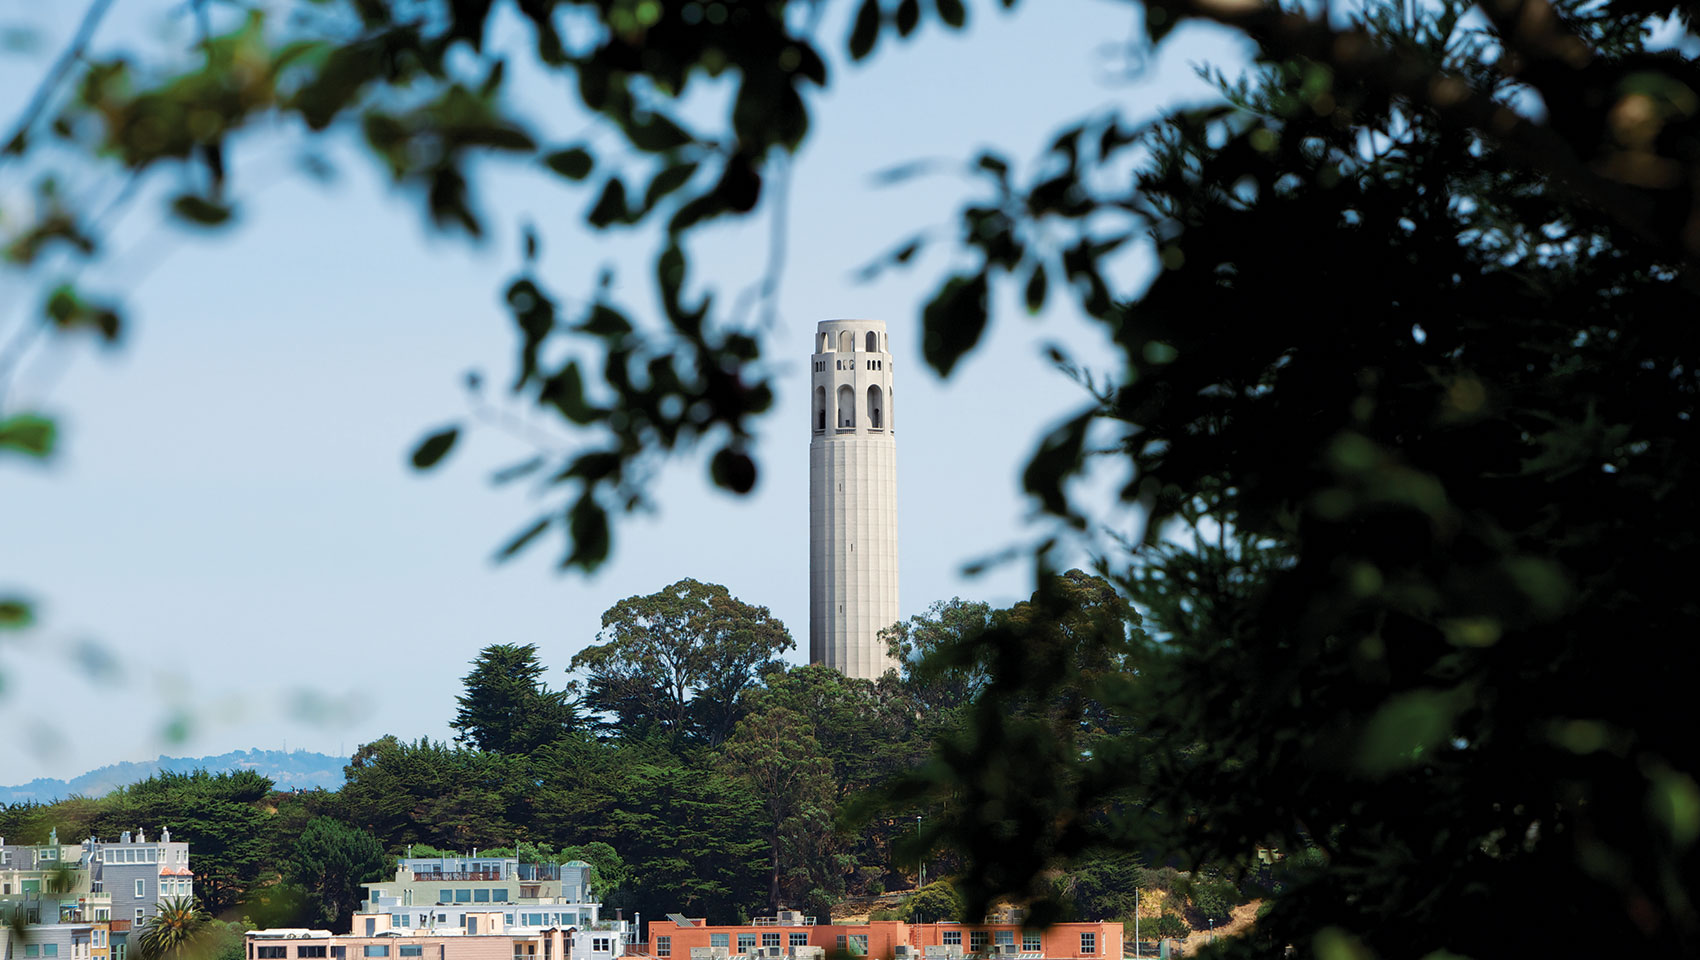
[
  {"x": 165, "y": 835},
  {"x": 124, "y": 837}
]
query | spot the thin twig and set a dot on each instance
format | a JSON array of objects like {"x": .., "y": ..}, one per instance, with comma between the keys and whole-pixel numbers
[{"x": 16, "y": 140}]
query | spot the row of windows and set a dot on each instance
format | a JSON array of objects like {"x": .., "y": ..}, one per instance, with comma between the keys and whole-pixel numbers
[
  {"x": 1030, "y": 942},
  {"x": 144, "y": 855},
  {"x": 847, "y": 342},
  {"x": 488, "y": 895},
  {"x": 847, "y": 407},
  {"x": 311, "y": 952}
]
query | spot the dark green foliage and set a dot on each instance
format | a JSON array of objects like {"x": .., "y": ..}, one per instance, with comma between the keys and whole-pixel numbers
[
  {"x": 1168, "y": 926},
  {"x": 330, "y": 860},
  {"x": 775, "y": 753},
  {"x": 677, "y": 663},
  {"x": 506, "y": 707},
  {"x": 937, "y": 902},
  {"x": 1102, "y": 886}
]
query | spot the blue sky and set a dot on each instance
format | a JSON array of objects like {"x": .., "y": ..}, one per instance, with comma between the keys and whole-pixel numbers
[{"x": 231, "y": 517}]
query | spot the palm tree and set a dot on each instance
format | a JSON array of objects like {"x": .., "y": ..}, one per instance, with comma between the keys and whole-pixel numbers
[{"x": 175, "y": 929}]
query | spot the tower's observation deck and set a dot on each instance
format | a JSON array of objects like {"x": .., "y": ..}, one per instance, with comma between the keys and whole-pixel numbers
[{"x": 852, "y": 498}]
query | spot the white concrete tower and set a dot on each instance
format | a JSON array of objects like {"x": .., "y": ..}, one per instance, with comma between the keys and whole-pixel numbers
[{"x": 852, "y": 498}]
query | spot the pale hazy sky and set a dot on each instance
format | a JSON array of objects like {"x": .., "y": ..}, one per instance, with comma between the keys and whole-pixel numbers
[{"x": 231, "y": 517}]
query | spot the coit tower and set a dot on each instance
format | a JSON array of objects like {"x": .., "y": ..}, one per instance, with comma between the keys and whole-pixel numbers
[{"x": 852, "y": 499}]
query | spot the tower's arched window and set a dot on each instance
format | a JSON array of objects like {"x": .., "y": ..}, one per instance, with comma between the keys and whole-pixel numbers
[
  {"x": 876, "y": 408},
  {"x": 846, "y": 405},
  {"x": 846, "y": 342},
  {"x": 825, "y": 343},
  {"x": 891, "y": 408},
  {"x": 820, "y": 408},
  {"x": 873, "y": 342}
]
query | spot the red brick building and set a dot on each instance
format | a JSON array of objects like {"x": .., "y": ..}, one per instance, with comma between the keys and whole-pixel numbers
[{"x": 799, "y": 938}]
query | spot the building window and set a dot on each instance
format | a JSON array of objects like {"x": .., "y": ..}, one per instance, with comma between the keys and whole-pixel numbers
[
  {"x": 32, "y": 950},
  {"x": 272, "y": 953},
  {"x": 976, "y": 941},
  {"x": 411, "y": 950},
  {"x": 602, "y": 944},
  {"x": 480, "y": 896},
  {"x": 377, "y": 950},
  {"x": 442, "y": 918},
  {"x": 445, "y": 896},
  {"x": 50, "y": 949},
  {"x": 876, "y": 408},
  {"x": 313, "y": 952},
  {"x": 141, "y": 888},
  {"x": 499, "y": 895},
  {"x": 953, "y": 938},
  {"x": 463, "y": 896},
  {"x": 746, "y": 942},
  {"x": 1030, "y": 942},
  {"x": 118, "y": 950},
  {"x": 858, "y": 944},
  {"x": 772, "y": 939},
  {"x": 719, "y": 940},
  {"x": 1088, "y": 943},
  {"x": 140, "y": 912},
  {"x": 799, "y": 939},
  {"x": 846, "y": 406},
  {"x": 1004, "y": 938},
  {"x": 664, "y": 946},
  {"x": 873, "y": 342}
]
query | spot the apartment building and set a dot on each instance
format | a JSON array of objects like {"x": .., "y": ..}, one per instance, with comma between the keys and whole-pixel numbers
[
  {"x": 797, "y": 937},
  {"x": 439, "y": 894},
  {"x": 482, "y": 935},
  {"x": 80, "y": 901}
]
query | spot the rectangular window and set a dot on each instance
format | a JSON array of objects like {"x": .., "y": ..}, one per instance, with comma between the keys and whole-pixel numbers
[
  {"x": 411, "y": 950},
  {"x": 953, "y": 938},
  {"x": 442, "y": 918},
  {"x": 770, "y": 939},
  {"x": 445, "y": 896},
  {"x": 1030, "y": 942},
  {"x": 481, "y": 895},
  {"x": 858, "y": 944},
  {"x": 664, "y": 946},
  {"x": 720, "y": 940},
  {"x": 976, "y": 941},
  {"x": 602, "y": 944},
  {"x": 316, "y": 953},
  {"x": 141, "y": 888},
  {"x": 499, "y": 895},
  {"x": 746, "y": 942},
  {"x": 1004, "y": 938},
  {"x": 799, "y": 939},
  {"x": 463, "y": 896},
  {"x": 403, "y": 920},
  {"x": 377, "y": 950},
  {"x": 271, "y": 953},
  {"x": 139, "y": 912},
  {"x": 118, "y": 951},
  {"x": 1088, "y": 943},
  {"x": 32, "y": 950},
  {"x": 50, "y": 949}
]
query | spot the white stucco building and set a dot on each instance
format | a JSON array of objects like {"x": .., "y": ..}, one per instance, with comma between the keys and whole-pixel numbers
[{"x": 852, "y": 498}]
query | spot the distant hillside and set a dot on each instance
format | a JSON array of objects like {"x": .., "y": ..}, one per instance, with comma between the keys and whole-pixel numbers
[{"x": 299, "y": 769}]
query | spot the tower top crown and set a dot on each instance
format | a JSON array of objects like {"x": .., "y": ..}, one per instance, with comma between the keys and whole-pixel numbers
[{"x": 851, "y": 336}]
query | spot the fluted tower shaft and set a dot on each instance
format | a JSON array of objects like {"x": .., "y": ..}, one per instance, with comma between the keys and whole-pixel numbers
[{"x": 852, "y": 498}]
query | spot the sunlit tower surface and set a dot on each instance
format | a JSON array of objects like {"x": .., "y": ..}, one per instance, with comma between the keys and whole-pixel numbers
[{"x": 852, "y": 499}]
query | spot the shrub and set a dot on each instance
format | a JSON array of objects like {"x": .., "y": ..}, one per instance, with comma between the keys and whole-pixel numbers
[{"x": 1169, "y": 926}]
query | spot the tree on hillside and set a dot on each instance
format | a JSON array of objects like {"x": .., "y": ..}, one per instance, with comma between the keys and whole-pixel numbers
[
  {"x": 679, "y": 661},
  {"x": 331, "y": 860},
  {"x": 506, "y": 707},
  {"x": 429, "y": 792},
  {"x": 775, "y": 752},
  {"x": 222, "y": 816}
]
